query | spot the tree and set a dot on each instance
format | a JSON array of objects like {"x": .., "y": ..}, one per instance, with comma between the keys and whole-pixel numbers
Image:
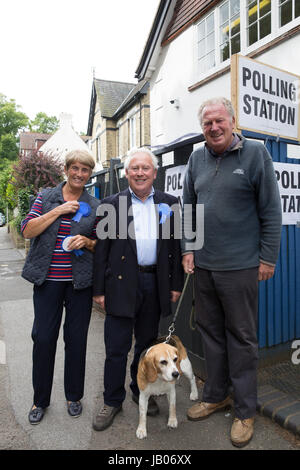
[
  {"x": 8, "y": 195},
  {"x": 12, "y": 120},
  {"x": 44, "y": 124},
  {"x": 8, "y": 147}
]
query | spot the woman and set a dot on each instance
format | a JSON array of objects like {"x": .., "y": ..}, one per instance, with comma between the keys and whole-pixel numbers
[{"x": 61, "y": 277}]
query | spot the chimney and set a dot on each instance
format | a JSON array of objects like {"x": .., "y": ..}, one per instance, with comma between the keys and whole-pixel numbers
[{"x": 65, "y": 119}]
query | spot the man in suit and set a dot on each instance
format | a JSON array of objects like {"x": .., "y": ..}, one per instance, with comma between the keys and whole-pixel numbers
[{"x": 137, "y": 273}]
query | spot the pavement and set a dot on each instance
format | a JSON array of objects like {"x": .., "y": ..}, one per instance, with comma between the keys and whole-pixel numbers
[{"x": 58, "y": 431}]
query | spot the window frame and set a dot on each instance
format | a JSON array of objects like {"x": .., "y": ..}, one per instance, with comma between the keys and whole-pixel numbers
[
  {"x": 276, "y": 31},
  {"x": 290, "y": 25},
  {"x": 98, "y": 149},
  {"x": 204, "y": 19},
  {"x": 258, "y": 22},
  {"x": 230, "y": 37},
  {"x": 132, "y": 131}
]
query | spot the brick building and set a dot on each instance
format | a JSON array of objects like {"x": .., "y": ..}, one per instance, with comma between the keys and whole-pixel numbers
[{"x": 119, "y": 118}]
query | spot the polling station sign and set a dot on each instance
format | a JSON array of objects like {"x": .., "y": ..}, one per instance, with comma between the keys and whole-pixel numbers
[
  {"x": 174, "y": 178},
  {"x": 266, "y": 99},
  {"x": 288, "y": 177}
]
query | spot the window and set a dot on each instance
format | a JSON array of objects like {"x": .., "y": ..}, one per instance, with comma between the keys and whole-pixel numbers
[
  {"x": 98, "y": 149},
  {"x": 206, "y": 43},
  {"x": 119, "y": 141},
  {"x": 240, "y": 26},
  {"x": 230, "y": 41},
  {"x": 288, "y": 11},
  {"x": 132, "y": 132},
  {"x": 259, "y": 20}
]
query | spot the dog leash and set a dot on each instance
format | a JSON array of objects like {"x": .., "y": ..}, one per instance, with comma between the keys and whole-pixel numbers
[
  {"x": 171, "y": 328},
  {"x": 192, "y": 314}
]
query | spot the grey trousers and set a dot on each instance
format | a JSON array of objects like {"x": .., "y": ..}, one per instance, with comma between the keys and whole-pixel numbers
[{"x": 226, "y": 304}]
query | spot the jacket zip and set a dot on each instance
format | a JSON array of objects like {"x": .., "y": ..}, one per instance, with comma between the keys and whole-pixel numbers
[{"x": 218, "y": 162}]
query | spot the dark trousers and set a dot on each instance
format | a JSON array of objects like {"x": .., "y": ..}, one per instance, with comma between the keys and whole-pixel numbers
[
  {"x": 118, "y": 340},
  {"x": 49, "y": 300},
  {"x": 226, "y": 316}
]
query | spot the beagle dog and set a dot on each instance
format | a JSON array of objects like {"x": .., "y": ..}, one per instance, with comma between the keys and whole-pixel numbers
[{"x": 159, "y": 368}]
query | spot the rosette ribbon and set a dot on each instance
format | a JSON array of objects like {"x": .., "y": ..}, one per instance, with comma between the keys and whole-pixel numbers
[
  {"x": 164, "y": 211},
  {"x": 83, "y": 211},
  {"x": 64, "y": 246}
]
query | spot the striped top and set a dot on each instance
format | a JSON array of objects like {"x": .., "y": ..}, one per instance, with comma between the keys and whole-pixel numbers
[{"x": 61, "y": 263}]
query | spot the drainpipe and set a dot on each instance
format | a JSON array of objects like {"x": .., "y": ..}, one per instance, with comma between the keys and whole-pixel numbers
[{"x": 140, "y": 121}]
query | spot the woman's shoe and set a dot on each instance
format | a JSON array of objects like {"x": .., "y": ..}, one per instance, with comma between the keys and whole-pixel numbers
[
  {"x": 74, "y": 408},
  {"x": 36, "y": 414}
]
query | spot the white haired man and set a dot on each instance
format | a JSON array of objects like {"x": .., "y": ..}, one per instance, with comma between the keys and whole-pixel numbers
[{"x": 136, "y": 275}]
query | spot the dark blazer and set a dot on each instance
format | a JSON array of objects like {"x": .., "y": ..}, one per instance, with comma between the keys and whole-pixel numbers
[{"x": 115, "y": 260}]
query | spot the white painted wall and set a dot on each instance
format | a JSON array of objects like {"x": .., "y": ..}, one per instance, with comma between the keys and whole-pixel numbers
[{"x": 175, "y": 72}]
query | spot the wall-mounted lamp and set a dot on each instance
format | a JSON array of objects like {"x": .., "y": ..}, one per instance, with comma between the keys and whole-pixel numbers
[{"x": 175, "y": 103}]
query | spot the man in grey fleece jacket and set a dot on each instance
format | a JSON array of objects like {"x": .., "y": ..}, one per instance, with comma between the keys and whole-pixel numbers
[{"x": 235, "y": 180}]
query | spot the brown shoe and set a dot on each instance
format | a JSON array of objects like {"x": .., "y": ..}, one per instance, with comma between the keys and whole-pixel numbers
[
  {"x": 105, "y": 417},
  {"x": 203, "y": 409},
  {"x": 242, "y": 431}
]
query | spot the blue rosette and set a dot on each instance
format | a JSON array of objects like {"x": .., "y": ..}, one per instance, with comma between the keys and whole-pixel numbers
[
  {"x": 64, "y": 246},
  {"x": 164, "y": 211},
  {"x": 83, "y": 211}
]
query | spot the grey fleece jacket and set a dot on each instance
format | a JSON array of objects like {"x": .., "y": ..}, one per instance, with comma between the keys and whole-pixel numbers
[{"x": 242, "y": 208}]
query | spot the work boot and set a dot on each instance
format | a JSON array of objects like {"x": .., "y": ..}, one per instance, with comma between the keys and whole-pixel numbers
[
  {"x": 203, "y": 409},
  {"x": 105, "y": 417},
  {"x": 242, "y": 431}
]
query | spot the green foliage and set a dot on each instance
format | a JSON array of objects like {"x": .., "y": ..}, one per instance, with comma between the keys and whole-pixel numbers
[
  {"x": 16, "y": 222},
  {"x": 11, "y": 194},
  {"x": 12, "y": 120},
  {"x": 8, "y": 147},
  {"x": 44, "y": 124},
  {"x": 8, "y": 194},
  {"x": 4, "y": 163},
  {"x": 31, "y": 172},
  {"x": 23, "y": 201}
]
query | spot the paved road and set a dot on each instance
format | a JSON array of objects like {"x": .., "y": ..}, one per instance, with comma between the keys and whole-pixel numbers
[{"x": 57, "y": 430}]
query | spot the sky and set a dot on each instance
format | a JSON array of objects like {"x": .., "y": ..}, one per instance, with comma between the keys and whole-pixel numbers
[{"x": 49, "y": 49}]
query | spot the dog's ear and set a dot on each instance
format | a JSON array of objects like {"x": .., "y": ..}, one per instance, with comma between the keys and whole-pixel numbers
[
  {"x": 142, "y": 375},
  {"x": 151, "y": 371},
  {"x": 147, "y": 372}
]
